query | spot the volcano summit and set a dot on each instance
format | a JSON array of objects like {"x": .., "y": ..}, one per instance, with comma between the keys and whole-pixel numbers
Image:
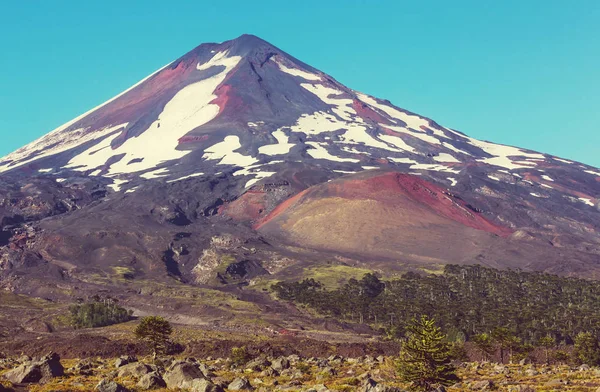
[{"x": 238, "y": 161}]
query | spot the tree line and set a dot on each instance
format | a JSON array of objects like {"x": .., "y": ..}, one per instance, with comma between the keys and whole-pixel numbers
[{"x": 468, "y": 302}]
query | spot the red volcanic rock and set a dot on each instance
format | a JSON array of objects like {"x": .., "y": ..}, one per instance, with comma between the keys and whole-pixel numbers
[
  {"x": 247, "y": 208},
  {"x": 389, "y": 189},
  {"x": 366, "y": 112}
]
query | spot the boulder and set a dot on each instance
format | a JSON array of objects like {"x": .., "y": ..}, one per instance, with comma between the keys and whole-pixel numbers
[
  {"x": 203, "y": 385},
  {"x": 483, "y": 385},
  {"x": 531, "y": 372},
  {"x": 151, "y": 381},
  {"x": 181, "y": 374},
  {"x": 84, "y": 367},
  {"x": 584, "y": 368},
  {"x": 318, "y": 388},
  {"x": 557, "y": 383},
  {"x": 520, "y": 388},
  {"x": 240, "y": 384},
  {"x": 31, "y": 372},
  {"x": 208, "y": 373},
  {"x": 125, "y": 360},
  {"x": 110, "y": 386},
  {"x": 280, "y": 364},
  {"x": 258, "y": 364},
  {"x": 135, "y": 370}
]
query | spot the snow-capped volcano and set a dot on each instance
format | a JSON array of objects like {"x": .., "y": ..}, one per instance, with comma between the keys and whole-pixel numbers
[
  {"x": 247, "y": 104},
  {"x": 263, "y": 134}
]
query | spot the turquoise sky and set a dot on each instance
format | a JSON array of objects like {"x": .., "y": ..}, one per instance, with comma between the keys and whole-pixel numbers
[{"x": 519, "y": 72}]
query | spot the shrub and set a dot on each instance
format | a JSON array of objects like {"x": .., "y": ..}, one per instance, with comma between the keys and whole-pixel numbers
[{"x": 240, "y": 355}]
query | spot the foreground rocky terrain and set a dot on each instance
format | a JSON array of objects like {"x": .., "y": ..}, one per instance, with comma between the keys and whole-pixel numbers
[{"x": 267, "y": 373}]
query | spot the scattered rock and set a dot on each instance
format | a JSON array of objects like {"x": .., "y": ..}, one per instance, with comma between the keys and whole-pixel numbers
[
  {"x": 203, "y": 385},
  {"x": 318, "y": 388},
  {"x": 240, "y": 384},
  {"x": 208, "y": 373},
  {"x": 520, "y": 388},
  {"x": 110, "y": 386},
  {"x": 483, "y": 385},
  {"x": 531, "y": 372},
  {"x": 125, "y": 360},
  {"x": 280, "y": 364},
  {"x": 151, "y": 381}
]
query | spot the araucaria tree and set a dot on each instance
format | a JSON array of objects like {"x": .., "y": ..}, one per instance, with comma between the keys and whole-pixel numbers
[
  {"x": 425, "y": 358},
  {"x": 156, "y": 331}
]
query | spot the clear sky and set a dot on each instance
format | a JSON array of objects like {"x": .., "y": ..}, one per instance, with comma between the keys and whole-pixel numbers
[{"x": 519, "y": 72}]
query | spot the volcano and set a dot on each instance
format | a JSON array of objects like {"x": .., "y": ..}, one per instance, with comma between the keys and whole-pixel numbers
[{"x": 238, "y": 149}]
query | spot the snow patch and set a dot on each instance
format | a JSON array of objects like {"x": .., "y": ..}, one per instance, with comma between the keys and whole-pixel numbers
[
  {"x": 547, "y": 178},
  {"x": 493, "y": 178},
  {"x": 319, "y": 152},
  {"x": 587, "y": 201},
  {"x": 57, "y": 141},
  {"x": 562, "y": 160},
  {"x": 501, "y": 153},
  {"x": 402, "y": 160},
  {"x": 296, "y": 71},
  {"x": 185, "y": 177},
  {"x": 155, "y": 173},
  {"x": 443, "y": 157},
  {"x": 440, "y": 168},
  {"x": 225, "y": 152},
  {"x": 116, "y": 185},
  {"x": 281, "y": 147},
  {"x": 341, "y": 106},
  {"x": 411, "y": 120},
  {"x": 189, "y": 109},
  {"x": 452, "y": 181}
]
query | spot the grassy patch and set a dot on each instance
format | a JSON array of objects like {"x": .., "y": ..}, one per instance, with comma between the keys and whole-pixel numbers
[{"x": 334, "y": 276}]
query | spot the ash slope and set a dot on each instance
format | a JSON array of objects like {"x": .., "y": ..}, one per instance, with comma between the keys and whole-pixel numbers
[{"x": 243, "y": 139}]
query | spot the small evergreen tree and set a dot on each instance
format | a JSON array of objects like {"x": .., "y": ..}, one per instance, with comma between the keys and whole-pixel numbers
[
  {"x": 156, "y": 331},
  {"x": 587, "y": 349},
  {"x": 547, "y": 342},
  {"x": 504, "y": 339},
  {"x": 484, "y": 344},
  {"x": 425, "y": 358}
]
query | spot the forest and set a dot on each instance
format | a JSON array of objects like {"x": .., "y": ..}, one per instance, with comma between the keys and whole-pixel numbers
[{"x": 466, "y": 301}]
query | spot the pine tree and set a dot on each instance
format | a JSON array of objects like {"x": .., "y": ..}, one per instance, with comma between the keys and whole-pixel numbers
[
  {"x": 155, "y": 330},
  {"x": 484, "y": 344},
  {"x": 587, "y": 349},
  {"x": 547, "y": 342},
  {"x": 425, "y": 358}
]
